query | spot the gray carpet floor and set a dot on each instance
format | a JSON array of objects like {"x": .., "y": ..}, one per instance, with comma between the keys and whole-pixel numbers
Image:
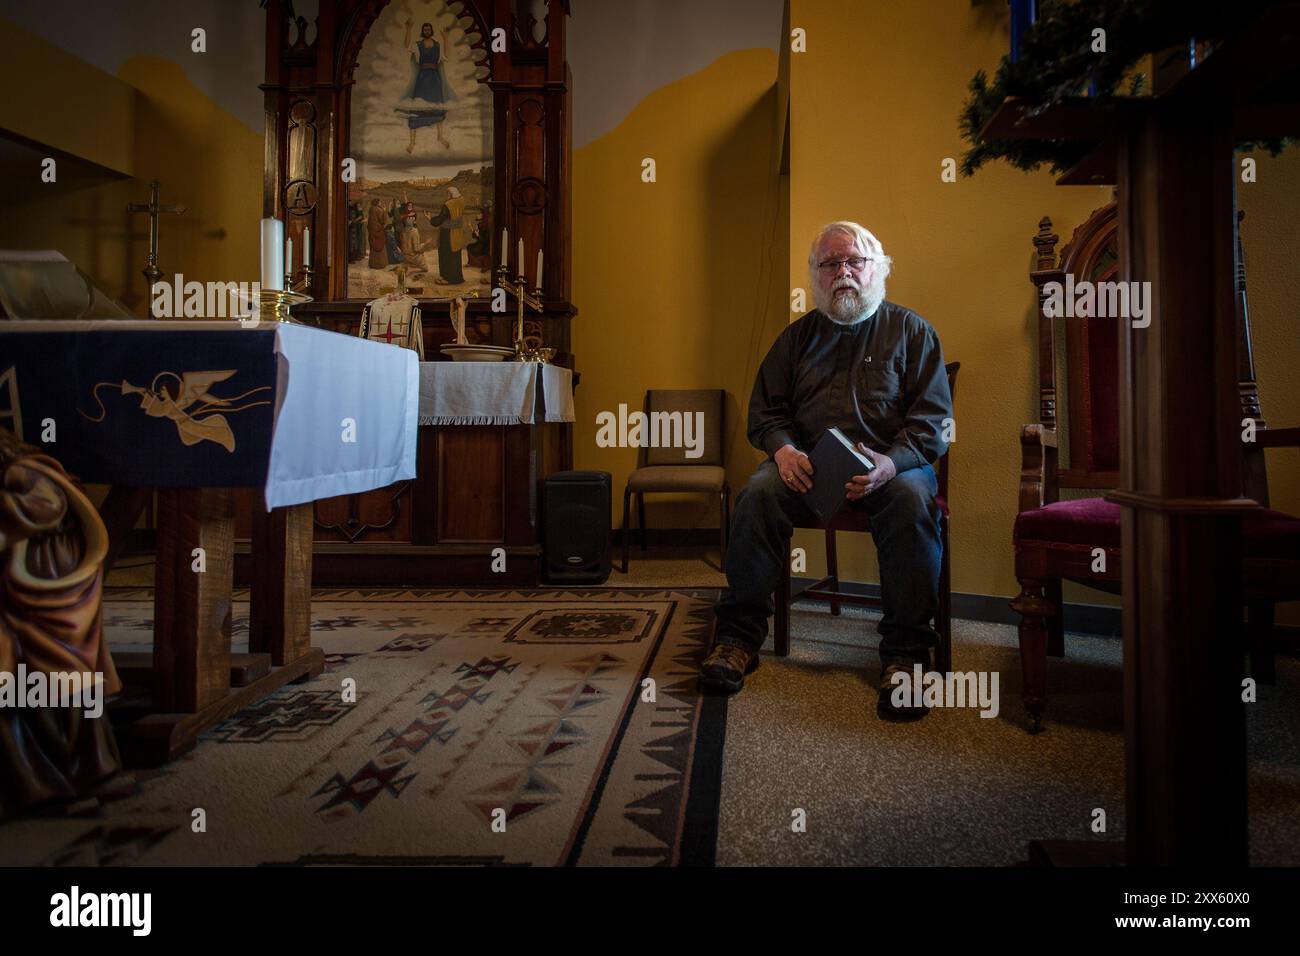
[{"x": 955, "y": 788}]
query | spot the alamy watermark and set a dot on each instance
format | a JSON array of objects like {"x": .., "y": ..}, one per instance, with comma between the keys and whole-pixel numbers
[
  {"x": 1114, "y": 300},
  {"x": 653, "y": 430},
  {"x": 179, "y": 299},
  {"x": 75, "y": 909},
  {"x": 959, "y": 689},
  {"x": 33, "y": 689}
]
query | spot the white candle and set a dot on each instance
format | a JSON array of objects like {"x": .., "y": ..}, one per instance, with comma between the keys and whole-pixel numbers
[
  {"x": 519, "y": 263},
  {"x": 306, "y": 248},
  {"x": 272, "y": 245},
  {"x": 505, "y": 247},
  {"x": 539, "y": 270},
  {"x": 288, "y": 255}
]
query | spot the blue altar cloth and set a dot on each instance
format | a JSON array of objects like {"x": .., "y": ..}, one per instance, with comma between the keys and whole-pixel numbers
[{"x": 300, "y": 412}]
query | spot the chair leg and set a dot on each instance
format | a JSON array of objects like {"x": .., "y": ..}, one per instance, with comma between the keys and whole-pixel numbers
[
  {"x": 1259, "y": 638},
  {"x": 1034, "y": 610},
  {"x": 781, "y": 624},
  {"x": 640, "y": 516},
  {"x": 627, "y": 494},
  {"x": 833, "y": 569},
  {"x": 943, "y": 616},
  {"x": 1055, "y": 623}
]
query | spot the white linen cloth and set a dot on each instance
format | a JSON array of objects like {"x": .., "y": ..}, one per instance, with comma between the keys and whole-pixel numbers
[
  {"x": 494, "y": 393},
  {"x": 332, "y": 377}
]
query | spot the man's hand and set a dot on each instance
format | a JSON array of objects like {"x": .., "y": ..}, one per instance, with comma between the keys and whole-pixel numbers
[
  {"x": 795, "y": 468},
  {"x": 859, "y": 486}
]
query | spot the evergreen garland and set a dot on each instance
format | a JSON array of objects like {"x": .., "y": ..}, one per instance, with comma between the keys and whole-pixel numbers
[{"x": 1057, "y": 61}]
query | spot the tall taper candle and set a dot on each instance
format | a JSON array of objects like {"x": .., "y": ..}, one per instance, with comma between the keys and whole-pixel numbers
[
  {"x": 539, "y": 270},
  {"x": 272, "y": 249},
  {"x": 505, "y": 248},
  {"x": 288, "y": 259},
  {"x": 306, "y": 248},
  {"x": 519, "y": 263}
]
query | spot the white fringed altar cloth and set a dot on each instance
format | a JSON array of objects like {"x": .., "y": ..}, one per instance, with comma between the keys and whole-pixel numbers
[{"x": 494, "y": 393}]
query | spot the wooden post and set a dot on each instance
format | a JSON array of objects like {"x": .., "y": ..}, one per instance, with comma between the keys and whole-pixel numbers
[
  {"x": 1185, "y": 735},
  {"x": 191, "y": 653},
  {"x": 279, "y": 619}
]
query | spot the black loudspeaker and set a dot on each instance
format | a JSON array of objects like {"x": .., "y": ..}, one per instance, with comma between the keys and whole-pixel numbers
[{"x": 575, "y": 527}]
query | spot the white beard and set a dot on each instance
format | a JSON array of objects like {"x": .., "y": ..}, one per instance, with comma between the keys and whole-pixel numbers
[{"x": 853, "y": 306}]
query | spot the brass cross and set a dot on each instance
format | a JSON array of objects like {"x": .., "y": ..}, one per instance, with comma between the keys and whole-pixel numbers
[{"x": 151, "y": 272}]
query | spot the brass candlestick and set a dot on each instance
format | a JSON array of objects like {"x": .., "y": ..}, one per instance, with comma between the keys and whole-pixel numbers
[
  {"x": 518, "y": 287},
  {"x": 305, "y": 284},
  {"x": 277, "y": 303}
]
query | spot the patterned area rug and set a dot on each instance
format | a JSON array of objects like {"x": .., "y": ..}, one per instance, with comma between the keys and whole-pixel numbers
[{"x": 547, "y": 727}]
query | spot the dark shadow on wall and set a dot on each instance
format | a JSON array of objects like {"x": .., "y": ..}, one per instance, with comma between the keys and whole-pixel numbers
[{"x": 747, "y": 212}]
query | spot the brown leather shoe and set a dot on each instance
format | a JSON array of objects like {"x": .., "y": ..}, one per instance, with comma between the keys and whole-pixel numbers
[
  {"x": 886, "y": 709},
  {"x": 726, "y": 667}
]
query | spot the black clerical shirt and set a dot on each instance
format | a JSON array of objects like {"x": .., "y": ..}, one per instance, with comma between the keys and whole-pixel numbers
[{"x": 880, "y": 380}]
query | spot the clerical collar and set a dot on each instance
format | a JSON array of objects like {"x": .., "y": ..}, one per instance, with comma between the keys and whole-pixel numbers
[{"x": 853, "y": 326}]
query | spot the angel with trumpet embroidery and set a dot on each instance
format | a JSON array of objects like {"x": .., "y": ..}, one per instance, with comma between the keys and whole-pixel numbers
[{"x": 184, "y": 399}]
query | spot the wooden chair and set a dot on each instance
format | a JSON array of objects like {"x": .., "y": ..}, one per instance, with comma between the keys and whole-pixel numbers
[
  {"x": 1079, "y": 539},
  {"x": 828, "y": 588},
  {"x": 667, "y": 469}
]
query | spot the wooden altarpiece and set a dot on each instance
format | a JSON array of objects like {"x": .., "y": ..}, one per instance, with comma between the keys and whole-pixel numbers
[{"x": 478, "y": 485}]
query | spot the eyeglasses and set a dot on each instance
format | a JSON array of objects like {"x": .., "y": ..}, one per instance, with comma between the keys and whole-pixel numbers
[{"x": 831, "y": 266}]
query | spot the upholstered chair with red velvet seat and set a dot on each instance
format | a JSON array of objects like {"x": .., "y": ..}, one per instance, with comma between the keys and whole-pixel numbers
[{"x": 1078, "y": 538}]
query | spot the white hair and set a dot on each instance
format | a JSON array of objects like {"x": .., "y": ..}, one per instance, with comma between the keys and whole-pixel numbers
[
  {"x": 869, "y": 244},
  {"x": 855, "y": 305}
]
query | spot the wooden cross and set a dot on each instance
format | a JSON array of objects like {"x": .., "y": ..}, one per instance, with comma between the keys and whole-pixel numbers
[{"x": 151, "y": 272}]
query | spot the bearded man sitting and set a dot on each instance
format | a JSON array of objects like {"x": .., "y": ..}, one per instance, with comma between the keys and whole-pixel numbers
[{"x": 875, "y": 370}]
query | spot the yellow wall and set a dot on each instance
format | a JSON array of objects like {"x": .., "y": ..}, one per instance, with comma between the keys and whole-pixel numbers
[
  {"x": 48, "y": 87},
  {"x": 680, "y": 282},
  {"x": 875, "y": 113},
  {"x": 205, "y": 159}
]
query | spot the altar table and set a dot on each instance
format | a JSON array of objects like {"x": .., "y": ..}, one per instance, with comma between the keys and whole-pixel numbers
[
  {"x": 489, "y": 434},
  {"x": 494, "y": 393},
  {"x": 196, "y": 409}
]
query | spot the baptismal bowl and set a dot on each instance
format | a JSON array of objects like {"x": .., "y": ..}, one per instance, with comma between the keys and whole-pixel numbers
[{"x": 478, "y": 353}]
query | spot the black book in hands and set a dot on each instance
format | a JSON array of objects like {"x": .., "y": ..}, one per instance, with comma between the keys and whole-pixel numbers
[{"x": 834, "y": 461}]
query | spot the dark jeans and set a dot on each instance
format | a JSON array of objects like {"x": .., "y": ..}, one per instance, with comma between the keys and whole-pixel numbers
[{"x": 905, "y": 526}]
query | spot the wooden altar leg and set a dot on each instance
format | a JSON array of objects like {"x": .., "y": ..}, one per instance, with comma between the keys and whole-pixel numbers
[
  {"x": 191, "y": 650},
  {"x": 279, "y": 620},
  {"x": 192, "y": 660},
  {"x": 1180, "y": 458}
]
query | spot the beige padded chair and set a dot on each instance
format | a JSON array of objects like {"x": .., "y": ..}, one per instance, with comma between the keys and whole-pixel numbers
[{"x": 667, "y": 469}]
